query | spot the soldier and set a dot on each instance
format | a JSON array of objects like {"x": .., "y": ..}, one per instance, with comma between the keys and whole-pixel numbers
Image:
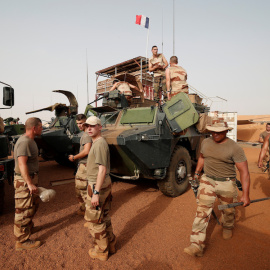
[
  {"x": 176, "y": 78},
  {"x": 158, "y": 64},
  {"x": 124, "y": 88},
  {"x": 265, "y": 133},
  {"x": 99, "y": 194},
  {"x": 80, "y": 178},
  {"x": 264, "y": 151},
  {"x": 25, "y": 184},
  {"x": 262, "y": 136},
  {"x": 218, "y": 156}
]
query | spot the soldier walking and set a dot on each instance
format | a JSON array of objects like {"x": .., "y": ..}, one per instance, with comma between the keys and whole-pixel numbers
[
  {"x": 176, "y": 78},
  {"x": 99, "y": 195},
  {"x": 265, "y": 153},
  {"x": 25, "y": 184},
  {"x": 219, "y": 156},
  {"x": 157, "y": 65},
  {"x": 80, "y": 178}
]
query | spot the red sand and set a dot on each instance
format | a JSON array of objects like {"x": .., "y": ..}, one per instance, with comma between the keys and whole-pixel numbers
[{"x": 152, "y": 230}]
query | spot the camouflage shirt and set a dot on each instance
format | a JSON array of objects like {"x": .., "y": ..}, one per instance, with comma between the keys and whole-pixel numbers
[{"x": 178, "y": 78}]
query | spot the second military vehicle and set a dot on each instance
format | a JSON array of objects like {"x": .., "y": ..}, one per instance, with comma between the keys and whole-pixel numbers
[{"x": 6, "y": 164}]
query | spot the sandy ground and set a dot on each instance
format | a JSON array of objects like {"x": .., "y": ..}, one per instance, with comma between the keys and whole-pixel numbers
[
  {"x": 152, "y": 229},
  {"x": 251, "y": 132}
]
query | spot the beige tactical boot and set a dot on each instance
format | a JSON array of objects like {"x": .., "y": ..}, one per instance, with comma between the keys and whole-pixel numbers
[
  {"x": 27, "y": 245},
  {"x": 85, "y": 225},
  {"x": 97, "y": 255},
  {"x": 193, "y": 251},
  {"x": 112, "y": 248},
  {"x": 227, "y": 234}
]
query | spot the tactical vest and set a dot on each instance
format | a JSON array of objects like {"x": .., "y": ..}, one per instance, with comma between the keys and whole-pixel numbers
[
  {"x": 124, "y": 88},
  {"x": 178, "y": 80},
  {"x": 157, "y": 60}
]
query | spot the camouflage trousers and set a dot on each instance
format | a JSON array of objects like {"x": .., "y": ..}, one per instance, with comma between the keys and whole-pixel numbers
[
  {"x": 99, "y": 221},
  {"x": 208, "y": 191},
  {"x": 160, "y": 85},
  {"x": 26, "y": 206},
  {"x": 81, "y": 186}
]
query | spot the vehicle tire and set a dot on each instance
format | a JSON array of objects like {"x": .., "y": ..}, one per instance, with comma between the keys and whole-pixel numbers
[
  {"x": 176, "y": 181},
  {"x": 2, "y": 195}
]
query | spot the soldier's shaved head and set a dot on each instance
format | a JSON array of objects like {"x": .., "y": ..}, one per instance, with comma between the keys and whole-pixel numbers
[
  {"x": 154, "y": 47},
  {"x": 80, "y": 116},
  {"x": 32, "y": 122},
  {"x": 174, "y": 60}
]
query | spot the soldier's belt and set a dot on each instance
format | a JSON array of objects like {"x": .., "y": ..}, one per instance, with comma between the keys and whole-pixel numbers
[
  {"x": 32, "y": 175},
  {"x": 222, "y": 179}
]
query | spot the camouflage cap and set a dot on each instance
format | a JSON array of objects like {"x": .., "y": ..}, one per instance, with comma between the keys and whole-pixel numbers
[
  {"x": 218, "y": 125},
  {"x": 92, "y": 120}
]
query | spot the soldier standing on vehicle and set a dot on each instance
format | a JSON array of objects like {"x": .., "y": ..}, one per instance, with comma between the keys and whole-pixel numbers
[
  {"x": 176, "y": 78},
  {"x": 99, "y": 194},
  {"x": 80, "y": 178},
  {"x": 124, "y": 88},
  {"x": 25, "y": 184},
  {"x": 218, "y": 156},
  {"x": 157, "y": 65}
]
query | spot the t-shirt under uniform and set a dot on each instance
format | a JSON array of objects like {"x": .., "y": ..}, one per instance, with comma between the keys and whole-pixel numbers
[
  {"x": 220, "y": 158},
  {"x": 99, "y": 155}
]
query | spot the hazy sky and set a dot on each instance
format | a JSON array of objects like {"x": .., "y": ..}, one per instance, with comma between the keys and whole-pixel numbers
[{"x": 223, "y": 45}]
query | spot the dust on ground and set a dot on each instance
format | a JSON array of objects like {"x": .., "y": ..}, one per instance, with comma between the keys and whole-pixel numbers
[{"x": 151, "y": 229}]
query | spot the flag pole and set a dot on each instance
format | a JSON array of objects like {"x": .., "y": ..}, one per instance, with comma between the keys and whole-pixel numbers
[
  {"x": 147, "y": 44},
  {"x": 87, "y": 77}
]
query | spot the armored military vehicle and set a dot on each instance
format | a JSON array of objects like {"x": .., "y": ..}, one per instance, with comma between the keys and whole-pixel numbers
[
  {"x": 145, "y": 140},
  {"x": 12, "y": 127},
  {"x": 6, "y": 164},
  {"x": 62, "y": 137}
]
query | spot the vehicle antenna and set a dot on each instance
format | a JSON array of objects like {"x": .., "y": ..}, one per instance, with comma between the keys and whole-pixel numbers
[
  {"x": 162, "y": 31},
  {"x": 173, "y": 29},
  {"x": 87, "y": 77}
]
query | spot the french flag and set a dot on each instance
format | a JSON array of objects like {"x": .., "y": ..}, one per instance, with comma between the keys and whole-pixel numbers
[{"x": 142, "y": 20}]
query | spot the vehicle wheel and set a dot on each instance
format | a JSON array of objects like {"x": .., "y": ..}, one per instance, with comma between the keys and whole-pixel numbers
[
  {"x": 2, "y": 195},
  {"x": 176, "y": 181}
]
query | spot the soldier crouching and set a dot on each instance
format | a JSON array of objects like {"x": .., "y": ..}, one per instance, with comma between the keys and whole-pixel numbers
[{"x": 98, "y": 203}]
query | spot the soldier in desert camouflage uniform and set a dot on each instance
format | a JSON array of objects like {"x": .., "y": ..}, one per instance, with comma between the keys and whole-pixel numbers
[
  {"x": 80, "y": 178},
  {"x": 262, "y": 137},
  {"x": 99, "y": 195},
  {"x": 218, "y": 156},
  {"x": 176, "y": 78},
  {"x": 263, "y": 154},
  {"x": 157, "y": 65},
  {"x": 25, "y": 184}
]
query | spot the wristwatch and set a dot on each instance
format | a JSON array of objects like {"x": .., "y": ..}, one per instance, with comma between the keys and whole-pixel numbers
[{"x": 96, "y": 192}]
